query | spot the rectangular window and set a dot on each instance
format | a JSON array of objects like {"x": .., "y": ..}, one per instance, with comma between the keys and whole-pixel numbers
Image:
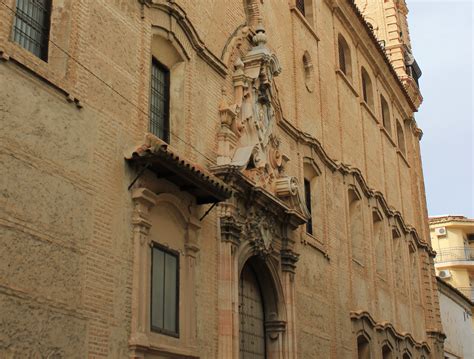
[
  {"x": 31, "y": 26},
  {"x": 307, "y": 197},
  {"x": 159, "y": 100},
  {"x": 164, "y": 291}
]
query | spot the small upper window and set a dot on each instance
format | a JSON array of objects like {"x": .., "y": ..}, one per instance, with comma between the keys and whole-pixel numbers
[
  {"x": 31, "y": 26},
  {"x": 367, "y": 90},
  {"x": 159, "y": 100},
  {"x": 401, "y": 138},
  {"x": 386, "y": 352},
  {"x": 344, "y": 56},
  {"x": 385, "y": 114},
  {"x": 300, "y": 6},
  {"x": 164, "y": 291},
  {"x": 307, "y": 197},
  {"x": 363, "y": 348}
]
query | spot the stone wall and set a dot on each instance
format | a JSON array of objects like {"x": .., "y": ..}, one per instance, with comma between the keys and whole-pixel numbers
[{"x": 66, "y": 232}]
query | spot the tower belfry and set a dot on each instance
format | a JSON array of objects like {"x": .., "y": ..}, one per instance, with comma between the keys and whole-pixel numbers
[{"x": 388, "y": 19}]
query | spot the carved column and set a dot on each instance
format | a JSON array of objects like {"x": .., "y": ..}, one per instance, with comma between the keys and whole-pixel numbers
[
  {"x": 191, "y": 247},
  {"x": 288, "y": 267},
  {"x": 143, "y": 200},
  {"x": 228, "y": 288},
  {"x": 275, "y": 330}
]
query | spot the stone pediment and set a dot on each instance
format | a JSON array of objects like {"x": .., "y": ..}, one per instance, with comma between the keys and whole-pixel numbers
[{"x": 247, "y": 139}]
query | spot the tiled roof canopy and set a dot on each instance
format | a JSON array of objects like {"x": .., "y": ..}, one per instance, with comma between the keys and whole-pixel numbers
[{"x": 157, "y": 156}]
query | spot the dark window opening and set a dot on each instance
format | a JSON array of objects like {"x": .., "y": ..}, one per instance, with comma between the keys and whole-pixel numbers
[
  {"x": 159, "y": 100},
  {"x": 31, "y": 26},
  {"x": 385, "y": 114},
  {"x": 164, "y": 291},
  {"x": 307, "y": 197},
  {"x": 300, "y": 6},
  {"x": 344, "y": 52},
  {"x": 363, "y": 348}
]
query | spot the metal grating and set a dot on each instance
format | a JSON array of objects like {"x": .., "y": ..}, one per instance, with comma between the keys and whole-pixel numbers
[
  {"x": 300, "y": 6},
  {"x": 251, "y": 315},
  {"x": 31, "y": 26},
  {"x": 159, "y": 101}
]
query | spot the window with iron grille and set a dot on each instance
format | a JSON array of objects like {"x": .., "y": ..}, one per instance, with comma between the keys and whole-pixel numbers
[
  {"x": 31, "y": 26},
  {"x": 164, "y": 291},
  {"x": 300, "y": 6},
  {"x": 159, "y": 100},
  {"x": 307, "y": 195}
]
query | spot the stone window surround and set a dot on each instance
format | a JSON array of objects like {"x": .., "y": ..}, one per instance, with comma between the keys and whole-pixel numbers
[
  {"x": 54, "y": 72},
  {"x": 142, "y": 339}
]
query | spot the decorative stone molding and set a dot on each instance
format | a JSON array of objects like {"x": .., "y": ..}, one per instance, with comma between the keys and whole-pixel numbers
[
  {"x": 176, "y": 12},
  {"x": 274, "y": 328},
  {"x": 141, "y": 338},
  {"x": 231, "y": 230},
  {"x": 380, "y": 333},
  {"x": 288, "y": 260},
  {"x": 247, "y": 139}
]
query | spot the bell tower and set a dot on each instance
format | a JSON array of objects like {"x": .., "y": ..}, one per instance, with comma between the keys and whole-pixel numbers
[{"x": 388, "y": 19}]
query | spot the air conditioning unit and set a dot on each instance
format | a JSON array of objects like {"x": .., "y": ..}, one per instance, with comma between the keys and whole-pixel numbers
[
  {"x": 440, "y": 231},
  {"x": 444, "y": 274}
]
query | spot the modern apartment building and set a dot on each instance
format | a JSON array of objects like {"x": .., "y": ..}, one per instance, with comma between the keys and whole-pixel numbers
[{"x": 452, "y": 237}]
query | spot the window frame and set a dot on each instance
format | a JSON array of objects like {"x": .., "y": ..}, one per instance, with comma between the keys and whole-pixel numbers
[
  {"x": 344, "y": 56},
  {"x": 300, "y": 6},
  {"x": 386, "y": 115},
  {"x": 154, "y": 329},
  {"x": 167, "y": 87},
  {"x": 307, "y": 197},
  {"x": 18, "y": 34}
]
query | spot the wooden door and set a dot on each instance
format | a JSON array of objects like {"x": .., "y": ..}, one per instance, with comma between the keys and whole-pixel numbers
[{"x": 251, "y": 316}]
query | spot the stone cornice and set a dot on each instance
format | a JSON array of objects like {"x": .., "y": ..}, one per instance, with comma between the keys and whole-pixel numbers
[
  {"x": 347, "y": 170},
  {"x": 364, "y": 315}
]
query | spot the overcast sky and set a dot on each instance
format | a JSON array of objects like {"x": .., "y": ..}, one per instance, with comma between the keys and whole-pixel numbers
[{"x": 442, "y": 40}]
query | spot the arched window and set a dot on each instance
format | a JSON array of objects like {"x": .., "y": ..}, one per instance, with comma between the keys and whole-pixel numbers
[
  {"x": 308, "y": 71},
  {"x": 398, "y": 258},
  {"x": 377, "y": 225},
  {"x": 345, "y": 64},
  {"x": 386, "y": 352},
  {"x": 307, "y": 198},
  {"x": 363, "y": 348},
  {"x": 311, "y": 193},
  {"x": 367, "y": 90},
  {"x": 356, "y": 225},
  {"x": 406, "y": 356},
  {"x": 401, "y": 138},
  {"x": 251, "y": 315},
  {"x": 385, "y": 114},
  {"x": 414, "y": 274}
]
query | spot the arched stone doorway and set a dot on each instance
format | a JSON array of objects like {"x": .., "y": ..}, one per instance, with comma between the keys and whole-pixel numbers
[{"x": 251, "y": 316}]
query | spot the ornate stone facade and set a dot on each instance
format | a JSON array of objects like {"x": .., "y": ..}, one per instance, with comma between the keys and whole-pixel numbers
[{"x": 283, "y": 163}]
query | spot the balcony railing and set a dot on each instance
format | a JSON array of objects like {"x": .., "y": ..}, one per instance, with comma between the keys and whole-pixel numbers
[
  {"x": 468, "y": 292},
  {"x": 454, "y": 254}
]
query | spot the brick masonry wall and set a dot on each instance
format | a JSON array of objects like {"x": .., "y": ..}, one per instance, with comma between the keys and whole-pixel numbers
[{"x": 65, "y": 219}]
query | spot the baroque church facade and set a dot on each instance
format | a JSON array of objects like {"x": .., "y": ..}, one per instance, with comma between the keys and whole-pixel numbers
[{"x": 212, "y": 179}]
